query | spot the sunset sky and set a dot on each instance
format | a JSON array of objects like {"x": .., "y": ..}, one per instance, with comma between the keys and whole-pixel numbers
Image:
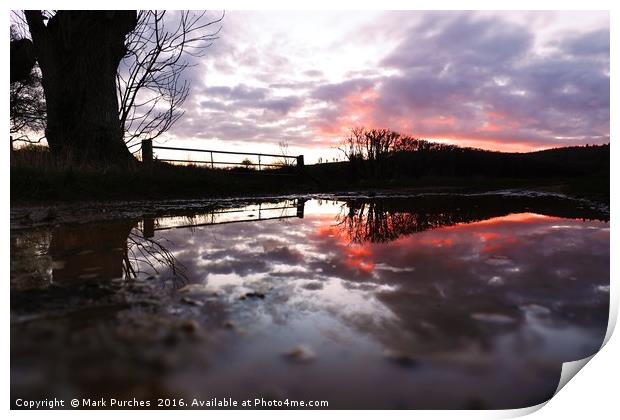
[{"x": 511, "y": 81}]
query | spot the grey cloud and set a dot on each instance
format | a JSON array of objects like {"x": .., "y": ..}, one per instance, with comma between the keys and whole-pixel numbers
[
  {"x": 450, "y": 65},
  {"x": 591, "y": 43},
  {"x": 460, "y": 38},
  {"x": 337, "y": 91},
  {"x": 314, "y": 73},
  {"x": 239, "y": 92},
  {"x": 214, "y": 105},
  {"x": 471, "y": 68},
  {"x": 282, "y": 105}
]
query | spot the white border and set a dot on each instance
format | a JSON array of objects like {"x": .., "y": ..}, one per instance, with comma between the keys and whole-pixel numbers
[{"x": 593, "y": 394}]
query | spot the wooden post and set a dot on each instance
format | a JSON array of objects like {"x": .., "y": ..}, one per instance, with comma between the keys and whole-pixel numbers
[
  {"x": 211, "y": 160},
  {"x": 148, "y": 227},
  {"x": 259, "y": 162},
  {"x": 147, "y": 152},
  {"x": 300, "y": 163},
  {"x": 300, "y": 207}
]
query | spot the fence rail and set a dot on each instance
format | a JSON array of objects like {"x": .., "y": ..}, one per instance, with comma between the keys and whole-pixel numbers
[
  {"x": 151, "y": 224},
  {"x": 147, "y": 157}
]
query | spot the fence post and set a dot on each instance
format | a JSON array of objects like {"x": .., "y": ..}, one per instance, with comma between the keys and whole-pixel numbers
[
  {"x": 147, "y": 152},
  {"x": 300, "y": 163},
  {"x": 148, "y": 227},
  {"x": 300, "y": 207}
]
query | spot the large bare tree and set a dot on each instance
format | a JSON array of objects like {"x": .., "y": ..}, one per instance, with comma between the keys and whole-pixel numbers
[
  {"x": 112, "y": 78},
  {"x": 79, "y": 53}
]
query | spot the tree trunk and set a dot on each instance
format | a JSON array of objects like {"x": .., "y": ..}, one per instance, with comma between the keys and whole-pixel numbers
[
  {"x": 108, "y": 249},
  {"x": 79, "y": 53}
]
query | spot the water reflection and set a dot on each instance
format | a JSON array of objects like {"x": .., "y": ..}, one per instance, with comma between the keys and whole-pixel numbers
[
  {"x": 380, "y": 220},
  {"x": 426, "y": 302},
  {"x": 85, "y": 252}
]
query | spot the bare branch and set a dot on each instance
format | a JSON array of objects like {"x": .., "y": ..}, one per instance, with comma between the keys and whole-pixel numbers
[
  {"x": 27, "y": 103},
  {"x": 151, "y": 87}
]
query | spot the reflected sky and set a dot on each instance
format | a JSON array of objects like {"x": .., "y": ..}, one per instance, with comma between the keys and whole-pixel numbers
[{"x": 396, "y": 306}]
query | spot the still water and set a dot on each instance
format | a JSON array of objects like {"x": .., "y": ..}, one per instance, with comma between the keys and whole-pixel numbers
[{"x": 366, "y": 302}]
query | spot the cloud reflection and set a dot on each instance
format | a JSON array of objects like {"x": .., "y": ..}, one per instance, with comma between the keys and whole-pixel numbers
[{"x": 479, "y": 295}]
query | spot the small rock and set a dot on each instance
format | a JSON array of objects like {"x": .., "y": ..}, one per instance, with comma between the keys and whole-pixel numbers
[
  {"x": 192, "y": 301},
  {"x": 300, "y": 354},
  {"x": 229, "y": 324}
]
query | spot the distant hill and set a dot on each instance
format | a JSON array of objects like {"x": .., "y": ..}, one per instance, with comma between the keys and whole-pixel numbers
[
  {"x": 560, "y": 162},
  {"x": 462, "y": 162},
  {"x": 581, "y": 169}
]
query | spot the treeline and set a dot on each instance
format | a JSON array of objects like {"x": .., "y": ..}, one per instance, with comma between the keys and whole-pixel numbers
[{"x": 381, "y": 154}]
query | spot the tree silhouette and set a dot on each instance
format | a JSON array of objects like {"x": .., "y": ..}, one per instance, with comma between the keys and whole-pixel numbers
[
  {"x": 98, "y": 107},
  {"x": 79, "y": 52},
  {"x": 247, "y": 163},
  {"x": 27, "y": 104}
]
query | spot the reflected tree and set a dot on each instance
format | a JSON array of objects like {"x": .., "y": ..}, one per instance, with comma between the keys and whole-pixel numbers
[
  {"x": 380, "y": 221},
  {"x": 145, "y": 256},
  {"x": 384, "y": 220},
  {"x": 121, "y": 250}
]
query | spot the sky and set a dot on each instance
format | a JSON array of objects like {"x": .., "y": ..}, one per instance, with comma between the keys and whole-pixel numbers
[{"x": 509, "y": 81}]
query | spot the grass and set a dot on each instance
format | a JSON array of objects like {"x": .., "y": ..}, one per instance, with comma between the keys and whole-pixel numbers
[{"x": 38, "y": 176}]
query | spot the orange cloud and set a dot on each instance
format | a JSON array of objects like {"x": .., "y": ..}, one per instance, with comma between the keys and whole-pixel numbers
[
  {"x": 359, "y": 109},
  {"x": 493, "y": 144},
  {"x": 356, "y": 110},
  {"x": 355, "y": 255}
]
